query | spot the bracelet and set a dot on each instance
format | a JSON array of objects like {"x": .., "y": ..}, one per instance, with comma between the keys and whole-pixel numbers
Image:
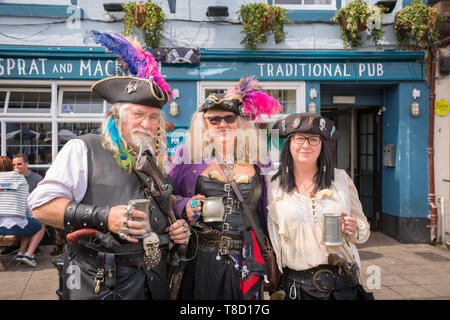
[{"x": 79, "y": 215}]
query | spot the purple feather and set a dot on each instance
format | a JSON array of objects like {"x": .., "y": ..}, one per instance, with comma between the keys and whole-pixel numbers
[{"x": 140, "y": 62}]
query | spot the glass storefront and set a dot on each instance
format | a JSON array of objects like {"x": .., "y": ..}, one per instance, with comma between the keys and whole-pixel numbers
[{"x": 28, "y": 117}]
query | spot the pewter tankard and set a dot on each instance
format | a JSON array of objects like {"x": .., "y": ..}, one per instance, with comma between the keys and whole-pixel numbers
[
  {"x": 332, "y": 233},
  {"x": 213, "y": 209},
  {"x": 141, "y": 205}
]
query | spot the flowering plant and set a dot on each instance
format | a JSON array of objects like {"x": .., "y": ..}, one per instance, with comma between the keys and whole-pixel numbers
[
  {"x": 356, "y": 17},
  {"x": 417, "y": 22}
]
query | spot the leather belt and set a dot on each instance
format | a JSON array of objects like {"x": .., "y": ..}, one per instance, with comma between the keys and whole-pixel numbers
[
  {"x": 122, "y": 258},
  {"x": 322, "y": 277},
  {"x": 222, "y": 243}
]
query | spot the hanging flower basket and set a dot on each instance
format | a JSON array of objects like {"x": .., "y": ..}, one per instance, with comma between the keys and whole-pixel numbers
[
  {"x": 419, "y": 23},
  {"x": 258, "y": 19},
  {"x": 343, "y": 24},
  {"x": 356, "y": 17},
  {"x": 146, "y": 16}
]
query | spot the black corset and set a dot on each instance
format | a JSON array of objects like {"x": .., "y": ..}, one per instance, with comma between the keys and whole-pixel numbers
[{"x": 251, "y": 192}]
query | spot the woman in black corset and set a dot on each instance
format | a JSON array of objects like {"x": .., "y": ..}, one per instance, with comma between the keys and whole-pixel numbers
[{"x": 223, "y": 145}]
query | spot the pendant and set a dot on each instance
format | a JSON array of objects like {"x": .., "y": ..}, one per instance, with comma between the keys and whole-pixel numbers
[{"x": 152, "y": 255}]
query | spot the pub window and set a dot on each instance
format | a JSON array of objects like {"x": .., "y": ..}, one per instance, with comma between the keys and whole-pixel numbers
[
  {"x": 2, "y": 101},
  {"x": 80, "y": 102},
  {"x": 68, "y": 131},
  {"x": 291, "y": 95},
  {"x": 29, "y": 139},
  {"x": 29, "y": 101},
  {"x": 306, "y": 4}
]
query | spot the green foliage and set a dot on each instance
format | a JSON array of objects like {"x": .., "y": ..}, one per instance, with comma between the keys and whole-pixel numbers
[
  {"x": 356, "y": 17},
  {"x": 146, "y": 16},
  {"x": 417, "y": 22},
  {"x": 258, "y": 19}
]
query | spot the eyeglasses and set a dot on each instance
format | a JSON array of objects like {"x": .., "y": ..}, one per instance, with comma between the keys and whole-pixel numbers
[
  {"x": 17, "y": 164},
  {"x": 140, "y": 116},
  {"x": 313, "y": 140},
  {"x": 215, "y": 120}
]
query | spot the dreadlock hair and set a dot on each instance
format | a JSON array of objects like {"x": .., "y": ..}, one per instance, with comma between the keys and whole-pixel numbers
[{"x": 325, "y": 162}]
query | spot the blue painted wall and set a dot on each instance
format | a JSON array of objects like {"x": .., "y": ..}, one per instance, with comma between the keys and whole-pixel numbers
[
  {"x": 405, "y": 185},
  {"x": 187, "y": 103}
]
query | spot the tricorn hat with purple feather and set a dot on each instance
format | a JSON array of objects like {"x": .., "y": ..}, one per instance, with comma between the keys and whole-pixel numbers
[
  {"x": 147, "y": 87},
  {"x": 245, "y": 99}
]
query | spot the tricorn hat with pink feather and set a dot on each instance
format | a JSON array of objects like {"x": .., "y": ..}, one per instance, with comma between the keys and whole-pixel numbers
[{"x": 245, "y": 99}]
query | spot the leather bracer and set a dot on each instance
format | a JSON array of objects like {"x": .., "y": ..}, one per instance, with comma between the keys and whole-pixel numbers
[{"x": 79, "y": 216}]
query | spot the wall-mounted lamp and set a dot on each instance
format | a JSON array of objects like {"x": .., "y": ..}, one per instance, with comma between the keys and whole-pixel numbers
[
  {"x": 173, "y": 106},
  {"x": 312, "y": 107},
  {"x": 415, "y": 107}
]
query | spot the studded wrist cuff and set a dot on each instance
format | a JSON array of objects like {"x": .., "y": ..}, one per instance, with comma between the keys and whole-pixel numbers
[{"x": 78, "y": 216}]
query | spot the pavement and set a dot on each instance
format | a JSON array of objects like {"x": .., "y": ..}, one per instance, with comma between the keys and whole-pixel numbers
[{"x": 391, "y": 270}]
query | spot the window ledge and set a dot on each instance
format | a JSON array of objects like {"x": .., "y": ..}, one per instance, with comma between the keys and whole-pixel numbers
[{"x": 37, "y": 10}]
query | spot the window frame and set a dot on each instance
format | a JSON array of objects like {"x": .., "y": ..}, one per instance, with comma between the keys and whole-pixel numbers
[
  {"x": 8, "y": 91},
  {"x": 299, "y": 86},
  {"x": 54, "y": 116},
  {"x": 332, "y": 6},
  {"x": 62, "y": 114}
]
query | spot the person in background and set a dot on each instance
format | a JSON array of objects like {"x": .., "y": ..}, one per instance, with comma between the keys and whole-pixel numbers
[
  {"x": 20, "y": 165},
  {"x": 306, "y": 186},
  {"x": 14, "y": 191}
]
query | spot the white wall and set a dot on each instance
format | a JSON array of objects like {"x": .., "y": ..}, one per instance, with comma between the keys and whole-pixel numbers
[
  {"x": 188, "y": 27},
  {"x": 442, "y": 146}
]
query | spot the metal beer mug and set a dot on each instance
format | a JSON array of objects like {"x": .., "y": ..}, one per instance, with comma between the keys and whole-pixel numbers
[
  {"x": 332, "y": 232},
  {"x": 213, "y": 209},
  {"x": 141, "y": 205}
]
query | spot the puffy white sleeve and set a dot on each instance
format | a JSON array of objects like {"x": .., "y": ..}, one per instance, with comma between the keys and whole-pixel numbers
[
  {"x": 363, "y": 232},
  {"x": 66, "y": 178},
  {"x": 272, "y": 223}
]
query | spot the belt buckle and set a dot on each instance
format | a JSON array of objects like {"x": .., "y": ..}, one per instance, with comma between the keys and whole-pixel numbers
[
  {"x": 227, "y": 187},
  {"x": 152, "y": 255},
  {"x": 316, "y": 275},
  {"x": 222, "y": 246},
  {"x": 225, "y": 227}
]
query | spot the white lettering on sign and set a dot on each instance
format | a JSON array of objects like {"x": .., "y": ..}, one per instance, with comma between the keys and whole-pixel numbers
[
  {"x": 319, "y": 70},
  {"x": 85, "y": 66}
]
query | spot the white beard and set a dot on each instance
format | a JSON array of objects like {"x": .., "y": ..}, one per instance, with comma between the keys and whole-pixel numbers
[{"x": 141, "y": 141}]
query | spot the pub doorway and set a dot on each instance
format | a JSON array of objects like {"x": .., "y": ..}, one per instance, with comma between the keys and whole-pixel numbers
[{"x": 359, "y": 153}]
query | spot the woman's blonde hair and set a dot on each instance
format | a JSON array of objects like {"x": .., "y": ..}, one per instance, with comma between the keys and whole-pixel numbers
[{"x": 250, "y": 146}]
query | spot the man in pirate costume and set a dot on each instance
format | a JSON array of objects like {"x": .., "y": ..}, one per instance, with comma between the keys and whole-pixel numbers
[{"x": 87, "y": 189}]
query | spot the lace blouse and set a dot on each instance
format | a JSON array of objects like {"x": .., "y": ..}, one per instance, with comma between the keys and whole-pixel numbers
[{"x": 295, "y": 223}]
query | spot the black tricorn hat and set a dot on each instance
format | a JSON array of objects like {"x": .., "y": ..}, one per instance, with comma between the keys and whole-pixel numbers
[
  {"x": 219, "y": 101},
  {"x": 307, "y": 123},
  {"x": 131, "y": 90}
]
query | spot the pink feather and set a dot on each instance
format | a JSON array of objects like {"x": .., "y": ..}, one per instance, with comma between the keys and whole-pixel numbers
[
  {"x": 258, "y": 103},
  {"x": 255, "y": 101}
]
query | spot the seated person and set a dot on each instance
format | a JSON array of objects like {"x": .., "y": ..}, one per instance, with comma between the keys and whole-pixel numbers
[{"x": 13, "y": 212}]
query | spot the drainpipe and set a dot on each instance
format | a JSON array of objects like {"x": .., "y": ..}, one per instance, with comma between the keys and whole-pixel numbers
[{"x": 432, "y": 98}]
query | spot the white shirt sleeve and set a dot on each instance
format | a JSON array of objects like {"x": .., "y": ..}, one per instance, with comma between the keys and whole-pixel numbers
[{"x": 66, "y": 178}]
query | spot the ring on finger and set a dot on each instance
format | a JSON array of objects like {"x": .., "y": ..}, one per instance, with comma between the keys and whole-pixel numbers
[
  {"x": 126, "y": 231},
  {"x": 122, "y": 235},
  {"x": 129, "y": 211},
  {"x": 125, "y": 223}
]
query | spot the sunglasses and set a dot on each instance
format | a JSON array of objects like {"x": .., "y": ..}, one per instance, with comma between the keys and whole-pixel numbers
[{"x": 215, "y": 120}]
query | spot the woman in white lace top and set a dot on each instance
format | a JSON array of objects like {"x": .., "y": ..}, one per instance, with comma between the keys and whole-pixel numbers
[{"x": 306, "y": 186}]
